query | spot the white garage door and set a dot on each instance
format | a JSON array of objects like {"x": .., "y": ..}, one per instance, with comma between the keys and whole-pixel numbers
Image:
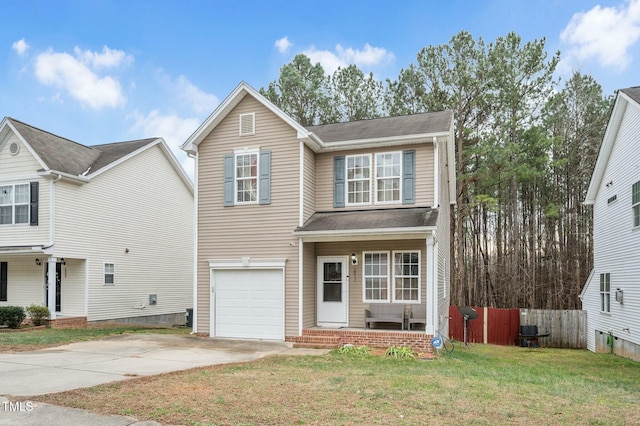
[{"x": 249, "y": 304}]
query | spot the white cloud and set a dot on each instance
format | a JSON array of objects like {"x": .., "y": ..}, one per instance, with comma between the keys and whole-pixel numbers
[
  {"x": 173, "y": 129},
  {"x": 20, "y": 46},
  {"x": 283, "y": 44},
  {"x": 604, "y": 33},
  {"x": 109, "y": 58},
  {"x": 342, "y": 57},
  {"x": 198, "y": 101}
]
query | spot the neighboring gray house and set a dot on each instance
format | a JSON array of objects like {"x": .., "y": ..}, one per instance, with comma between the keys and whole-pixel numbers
[
  {"x": 611, "y": 295},
  {"x": 302, "y": 228},
  {"x": 94, "y": 232}
]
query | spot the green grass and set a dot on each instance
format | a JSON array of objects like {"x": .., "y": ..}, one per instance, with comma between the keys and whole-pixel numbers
[
  {"x": 483, "y": 385},
  {"x": 34, "y": 339}
]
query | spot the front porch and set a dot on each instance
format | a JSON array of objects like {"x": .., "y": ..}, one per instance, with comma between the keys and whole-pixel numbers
[{"x": 326, "y": 338}]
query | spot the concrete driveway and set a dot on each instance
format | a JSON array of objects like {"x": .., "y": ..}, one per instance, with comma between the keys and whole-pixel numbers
[{"x": 115, "y": 358}]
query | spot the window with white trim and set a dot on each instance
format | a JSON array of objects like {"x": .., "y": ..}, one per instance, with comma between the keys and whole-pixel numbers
[
  {"x": 605, "y": 292},
  {"x": 406, "y": 276},
  {"x": 391, "y": 278},
  {"x": 388, "y": 177},
  {"x": 376, "y": 277},
  {"x": 358, "y": 179},
  {"x": 246, "y": 187},
  {"x": 109, "y": 274},
  {"x": 14, "y": 204},
  {"x": 635, "y": 203}
]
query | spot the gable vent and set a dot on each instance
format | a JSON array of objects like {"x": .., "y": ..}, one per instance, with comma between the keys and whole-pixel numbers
[
  {"x": 247, "y": 124},
  {"x": 14, "y": 148}
]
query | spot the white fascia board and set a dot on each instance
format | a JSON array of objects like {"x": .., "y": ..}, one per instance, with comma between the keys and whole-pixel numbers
[
  {"x": 610, "y": 135},
  {"x": 243, "y": 89},
  {"x": 51, "y": 174},
  {"x": 451, "y": 165},
  {"x": 366, "y": 234},
  {"x": 586, "y": 285},
  {"x": 382, "y": 142},
  {"x": 7, "y": 123}
]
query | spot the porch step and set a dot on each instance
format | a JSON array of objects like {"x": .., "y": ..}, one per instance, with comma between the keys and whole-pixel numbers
[
  {"x": 317, "y": 341},
  {"x": 312, "y": 345}
]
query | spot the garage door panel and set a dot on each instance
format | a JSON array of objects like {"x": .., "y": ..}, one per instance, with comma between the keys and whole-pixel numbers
[{"x": 249, "y": 304}]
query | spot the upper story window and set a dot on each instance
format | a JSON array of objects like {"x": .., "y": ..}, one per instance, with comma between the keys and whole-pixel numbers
[
  {"x": 635, "y": 203},
  {"x": 388, "y": 177},
  {"x": 109, "y": 274},
  {"x": 358, "y": 179},
  {"x": 247, "y": 178},
  {"x": 605, "y": 292},
  {"x": 14, "y": 204},
  {"x": 385, "y": 178}
]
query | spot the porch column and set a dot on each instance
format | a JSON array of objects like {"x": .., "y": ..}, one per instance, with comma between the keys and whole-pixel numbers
[
  {"x": 51, "y": 287},
  {"x": 432, "y": 287}
]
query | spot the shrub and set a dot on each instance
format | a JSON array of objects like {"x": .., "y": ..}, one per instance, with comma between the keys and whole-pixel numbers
[
  {"x": 12, "y": 316},
  {"x": 38, "y": 314},
  {"x": 401, "y": 352}
]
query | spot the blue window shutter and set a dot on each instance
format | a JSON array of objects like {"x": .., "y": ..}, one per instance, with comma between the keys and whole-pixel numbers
[
  {"x": 409, "y": 176},
  {"x": 338, "y": 181},
  {"x": 33, "y": 204},
  {"x": 229, "y": 166},
  {"x": 264, "y": 180}
]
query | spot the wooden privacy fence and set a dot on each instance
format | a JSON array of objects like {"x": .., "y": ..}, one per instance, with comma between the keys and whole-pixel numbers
[{"x": 501, "y": 326}]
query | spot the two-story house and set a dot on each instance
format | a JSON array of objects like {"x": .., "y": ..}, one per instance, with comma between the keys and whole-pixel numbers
[
  {"x": 611, "y": 295},
  {"x": 95, "y": 233},
  {"x": 302, "y": 228}
]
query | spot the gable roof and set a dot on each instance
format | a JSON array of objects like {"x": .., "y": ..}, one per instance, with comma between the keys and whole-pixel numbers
[
  {"x": 329, "y": 136},
  {"x": 62, "y": 156},
  {"x": 624, "y": 98}
]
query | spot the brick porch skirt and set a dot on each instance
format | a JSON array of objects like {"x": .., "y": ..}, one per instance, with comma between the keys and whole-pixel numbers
[
  {"x": 68, "y": 322},
  {"x": 334, "y": 338}
]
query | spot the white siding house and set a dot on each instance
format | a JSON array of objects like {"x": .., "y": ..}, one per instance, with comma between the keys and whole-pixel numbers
[
  {"x": 611, "y": 295},
  {"x": 94, "y": 233}
]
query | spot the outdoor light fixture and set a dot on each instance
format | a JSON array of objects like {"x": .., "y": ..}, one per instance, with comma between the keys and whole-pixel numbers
[
  {"x": 62, "y": 261},
  {"x": 354, "y": 259},
  {"x": 38, "y": 263}
]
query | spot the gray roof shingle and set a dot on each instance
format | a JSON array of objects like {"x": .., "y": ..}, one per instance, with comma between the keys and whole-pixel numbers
[
  {"x": 71, "y": 157},
  {"x": 415, "y": 124},
  {"x": 633, "y": 93},
  {"x": 415, "y": 217}
]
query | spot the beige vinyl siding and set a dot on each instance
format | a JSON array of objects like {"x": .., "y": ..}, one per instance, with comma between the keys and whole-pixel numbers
[
  {"x": 25, "y": 281},
  {"x": 19, "y": 169},
  {"x": 309, "y": 183},
  {"x": 356, "y": 305},
  {"x": 257, "y": 231},
  {"x": 424, "y": 177},
  {"x": 309, "y": 288},
  {"x": 72, "y": 288},
  {"x": 141, "y": 205},
  {"x": 443, "y": 238}
]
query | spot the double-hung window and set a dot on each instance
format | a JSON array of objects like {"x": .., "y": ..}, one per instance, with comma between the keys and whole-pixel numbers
[
  {"x": 359, "y": 179},
  {"x": 109, "y": 274},
  {"x": 388, "y": 177},
  {"x": 635, "y": 203},
  {"x": 391, "y": 277},
  {"x": 14, "y": 204},
  {"x": 605, "y": 292},
  {"x": 246, "y": 178}
]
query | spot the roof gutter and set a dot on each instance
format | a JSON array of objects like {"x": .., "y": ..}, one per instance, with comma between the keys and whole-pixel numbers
[
  {"x": 51, "y": 174},
  {"x": 366, "y": 234},
  {"x": 386, "y": 141}
]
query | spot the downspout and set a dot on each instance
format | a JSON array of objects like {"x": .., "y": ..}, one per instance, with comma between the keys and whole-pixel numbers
[
  {"x": 195, "y": 245},
  {"x": 300, "y": 244}
]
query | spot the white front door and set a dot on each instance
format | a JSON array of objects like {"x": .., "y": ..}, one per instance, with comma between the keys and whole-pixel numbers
[{"x": 333, "y": 291}]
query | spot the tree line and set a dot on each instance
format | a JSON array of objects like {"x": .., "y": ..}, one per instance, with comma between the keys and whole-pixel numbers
[{"x": 525, "y": 145}]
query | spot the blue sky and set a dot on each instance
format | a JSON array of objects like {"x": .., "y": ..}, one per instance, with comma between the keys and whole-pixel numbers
[{"x": 109, "y": 70}]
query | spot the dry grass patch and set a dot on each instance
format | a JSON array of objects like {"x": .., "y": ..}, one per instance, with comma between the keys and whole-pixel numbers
[{"x": 483, "y": 385}]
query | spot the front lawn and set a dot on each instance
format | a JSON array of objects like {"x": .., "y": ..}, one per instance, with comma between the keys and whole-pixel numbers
[
  {"x": 50, "y": 337},
  {"x": 484, "y": 385}
]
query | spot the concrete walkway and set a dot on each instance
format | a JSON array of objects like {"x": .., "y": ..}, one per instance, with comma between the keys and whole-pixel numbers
[{"x": 122, "y": 357}]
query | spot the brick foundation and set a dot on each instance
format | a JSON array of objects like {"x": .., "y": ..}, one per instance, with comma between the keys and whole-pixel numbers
[
  {"x": 72, "y": 322},
  {"x": 418, "y": 341}
]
